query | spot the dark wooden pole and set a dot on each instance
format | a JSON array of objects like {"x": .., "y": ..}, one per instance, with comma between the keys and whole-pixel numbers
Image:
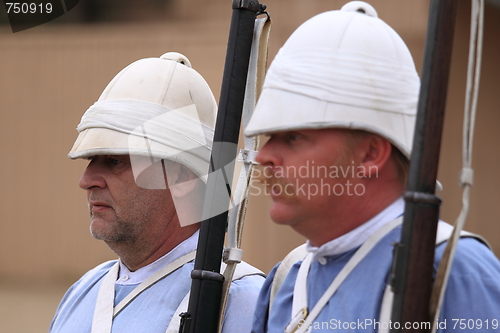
[
  {"x": 206, "y": 288},
  {"x": 414, "y": 255}
]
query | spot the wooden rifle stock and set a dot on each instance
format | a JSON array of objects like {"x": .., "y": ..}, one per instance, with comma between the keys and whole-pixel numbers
[{"x": 414, "y": 255}]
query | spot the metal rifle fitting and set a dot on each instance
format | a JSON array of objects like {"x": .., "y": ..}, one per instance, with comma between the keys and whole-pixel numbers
[
  {"x": 185, "y": 317},
  {"x": 207, "y": 275},
  {"x": 422, "y": 198},
  {"x": 252, "y": 5}
]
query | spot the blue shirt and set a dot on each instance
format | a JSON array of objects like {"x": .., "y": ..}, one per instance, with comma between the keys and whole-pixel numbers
[
  {"x": 153, "y": 309},
  {"x": 472, "y": 296}
]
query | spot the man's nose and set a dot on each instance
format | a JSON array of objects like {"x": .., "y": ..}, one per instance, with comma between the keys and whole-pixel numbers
[
  {"x": 92, "y": 177},
  {"x": 268, "y": 155}
]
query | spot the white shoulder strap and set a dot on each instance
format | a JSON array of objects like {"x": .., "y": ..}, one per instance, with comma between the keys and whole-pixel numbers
[
  {"x": 297, "y": 254},
  {"x": 173, "y": 266},
  {"x": 444, "y": 232},
  {"x": 105, "y": 312},
  {"x": 242, "y": 269},
  {"x": 358, "y": 256}
]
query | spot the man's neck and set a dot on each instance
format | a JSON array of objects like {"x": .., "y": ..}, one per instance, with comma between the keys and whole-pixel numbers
[
  {"x": 354, "y": 214},
  {"x": 140, "y": 253},
  {"x": 126, "y": 277},
  {"x": 359, "y": 235}
]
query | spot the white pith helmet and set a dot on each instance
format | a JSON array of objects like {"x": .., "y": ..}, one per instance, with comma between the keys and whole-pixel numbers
[
  {"x": 156, "y": 107},
  {"x": 341, "y": 69}
]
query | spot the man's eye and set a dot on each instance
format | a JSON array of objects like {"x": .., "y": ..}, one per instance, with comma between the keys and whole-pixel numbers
[{"x": 114, "y": 161}]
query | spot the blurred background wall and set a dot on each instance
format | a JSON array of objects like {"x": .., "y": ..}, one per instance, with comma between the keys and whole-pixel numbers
[{"x": 51, "y": 74}]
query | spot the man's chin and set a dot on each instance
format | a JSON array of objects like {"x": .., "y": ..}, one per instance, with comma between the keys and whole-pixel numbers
[
  {"x": 99, "y": 235},
  {"x": 99, "y": 229},
  {"x": 108, "y": 237},
  {"x": 281, "y": 213}
]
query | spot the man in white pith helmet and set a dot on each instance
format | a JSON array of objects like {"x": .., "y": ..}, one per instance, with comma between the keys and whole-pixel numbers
[
  {"x": 338, "y": 106},
  {"x": 148, "y": 141}
]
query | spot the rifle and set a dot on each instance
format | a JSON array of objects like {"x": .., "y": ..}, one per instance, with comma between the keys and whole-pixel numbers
[
  {"x": 206, "y": 288},
  {"x": 411, "y": 277}
]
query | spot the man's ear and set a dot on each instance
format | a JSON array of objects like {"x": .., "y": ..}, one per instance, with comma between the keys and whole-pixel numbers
[
  {"x": 375, "y": 153},
  {"x": 181, "y": 180}
]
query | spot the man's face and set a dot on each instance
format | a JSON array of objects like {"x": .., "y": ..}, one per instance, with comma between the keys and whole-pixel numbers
[
  {"x": 311, "y": 175},
  {"x": 121, "y": 211}
]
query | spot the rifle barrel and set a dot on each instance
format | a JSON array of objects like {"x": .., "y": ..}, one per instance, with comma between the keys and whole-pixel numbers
[
  {"x": 414, "y": 257},
  {"x": 206, "y": 288}
]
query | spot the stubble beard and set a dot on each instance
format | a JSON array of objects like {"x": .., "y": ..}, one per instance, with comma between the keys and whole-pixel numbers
[{"x": 116, "y": 230}]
